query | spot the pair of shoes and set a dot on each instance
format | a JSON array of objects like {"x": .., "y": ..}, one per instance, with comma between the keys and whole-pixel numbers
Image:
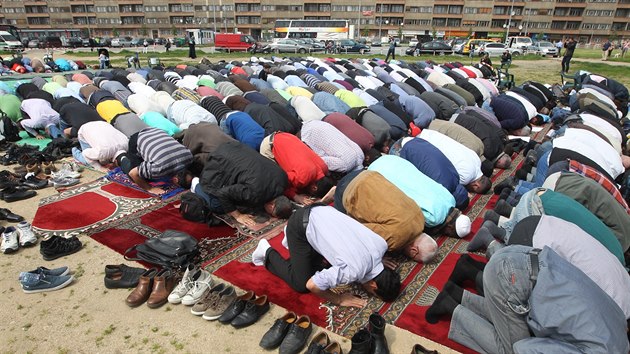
[
  {"x": 48, "y": 167},
  {"x": 215, "y": 302},
  {"x": 371, "y": 340},
  {"x": 322, "y": 344},
  {"x": 121, "y": 276},
  {"x": 419, "y": 349},
  {"x": 153, "y": 288},
  {"x": 57, "y": 246},
  {"x": 44, "y": 279},
  {"x": 32, "y": 181},
  {"x": 61, "y": 181},
  {"x": 67, "y": 170},
  {"x": 6, "y": 214},
  {"x": 289, "y": 332},
  {"x": 15, "y": 237},
  {"x": 245, "y": 310},
  {"x": 15, "y": 193},
  {"x": 193, "y": 287}
]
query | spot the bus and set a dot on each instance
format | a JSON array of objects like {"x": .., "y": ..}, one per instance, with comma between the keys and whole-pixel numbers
[{"x": 320, "y": 30}]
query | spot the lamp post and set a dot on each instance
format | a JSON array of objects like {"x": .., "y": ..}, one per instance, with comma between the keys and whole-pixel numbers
[
  {"x": 380, "y": 23},
  {"x": 509, "y": 23},
  {"x": 87, "y": 21},
  {"x": 520, "y": 29}
]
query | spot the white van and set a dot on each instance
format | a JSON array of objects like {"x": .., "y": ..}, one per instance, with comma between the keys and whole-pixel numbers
[
  {"x": 519, "y": 43},
  {"x": 9, "y": 42}
]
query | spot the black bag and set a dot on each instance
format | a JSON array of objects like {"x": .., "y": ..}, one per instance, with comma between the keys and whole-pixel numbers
[
  {"x": 172, "y": 250},
  {"x": 194, "y": 208},
  {"x": 9, "y": 130}
]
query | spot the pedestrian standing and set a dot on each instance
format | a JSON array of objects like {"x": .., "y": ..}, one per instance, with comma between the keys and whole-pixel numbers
[
  {"x": 569, "y": 48},
  {"x": 191, "y": 47},
  {"x": 392, "y": 49}
]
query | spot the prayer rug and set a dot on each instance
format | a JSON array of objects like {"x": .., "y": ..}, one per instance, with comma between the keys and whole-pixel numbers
[
  {"x": 87, "y": 207},
  {"x": 266, "y": 226},
  {"x": 421, "y": 283},
  {"x": 118, "y": 176},
  {"x": 29, "y": 140}
]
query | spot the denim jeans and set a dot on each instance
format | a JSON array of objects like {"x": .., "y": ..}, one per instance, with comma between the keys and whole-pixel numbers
[
  {"x": 492, "y": 324},
  {"x": 530, "y": 204},
  {"x": 539, "y": 178},
  {"x": 212, "y": 202},
  {"x": 78, "y": 154},
  {"x": 54, "y": 131}
]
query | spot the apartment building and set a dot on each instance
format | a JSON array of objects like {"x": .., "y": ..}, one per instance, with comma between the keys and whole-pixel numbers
[{"x": 588, "y": 20}]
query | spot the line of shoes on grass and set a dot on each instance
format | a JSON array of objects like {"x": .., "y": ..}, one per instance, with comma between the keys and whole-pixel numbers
[
  {"x": 21, "y": 235},
  {"x": 22, "y": 183}
]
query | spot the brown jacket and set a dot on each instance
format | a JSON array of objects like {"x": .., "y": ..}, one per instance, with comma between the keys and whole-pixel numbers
[{"x": 383, "y": 208}]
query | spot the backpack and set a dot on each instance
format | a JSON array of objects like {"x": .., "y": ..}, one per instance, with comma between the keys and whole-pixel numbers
[
  {"x": 171, "y": 250},
  {"x": 10, "y": 131},
  {"x": 193, "y": 208}
]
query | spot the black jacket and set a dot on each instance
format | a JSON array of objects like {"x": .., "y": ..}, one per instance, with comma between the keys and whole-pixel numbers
[
  {"x": 493, "y": 137},
  {"x": 241, "y": 178},
  {"x": 76, "y": 114}
]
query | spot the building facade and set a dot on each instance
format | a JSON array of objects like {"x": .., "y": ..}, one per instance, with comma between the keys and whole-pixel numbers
[{"x": 587, "y": 20}]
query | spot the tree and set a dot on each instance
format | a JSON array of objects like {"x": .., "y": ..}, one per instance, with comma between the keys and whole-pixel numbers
[
  {"x": 144, "y": 30},
  {"x": 434, "y": 32},
  {"x": 400, "y": 32},
  {"x": 115, "y": 32},
  {"x": 366, "y": 31},
  {"x": 174, "y": 30},
  {"x": 470, "y": 31}
]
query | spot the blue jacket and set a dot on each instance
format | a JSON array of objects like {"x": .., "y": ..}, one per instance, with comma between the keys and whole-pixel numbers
[
  {"x": 329, "y": 103},
  {"x": 432, "y": 162},
  {"x": 242, "y": 127}
]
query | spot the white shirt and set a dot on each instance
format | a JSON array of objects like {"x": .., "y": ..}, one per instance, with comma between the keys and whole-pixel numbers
[
  {"x": 141, "y": 104},
  {"x": 592, "y": 146},
  {"x": 466, "y": 161},
  {"x": 104, "y": 141},
  {"x": 602, "y": 126},
  {"x": 587, "y": 254},
  {"x": 306, "y": 109},
  {"x": 141, "y": 89},
  {"x": 440, "y": 79}
]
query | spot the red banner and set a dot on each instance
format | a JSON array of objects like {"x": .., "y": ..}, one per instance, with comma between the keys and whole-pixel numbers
[{"x": 368, "y": 13}]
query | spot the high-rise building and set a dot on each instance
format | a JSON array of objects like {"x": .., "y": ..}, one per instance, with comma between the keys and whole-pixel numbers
[{"x": 587, "y": 20}]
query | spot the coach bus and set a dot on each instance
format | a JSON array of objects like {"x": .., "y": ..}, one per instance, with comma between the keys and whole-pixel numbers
[{"x": 320, "y": 30}]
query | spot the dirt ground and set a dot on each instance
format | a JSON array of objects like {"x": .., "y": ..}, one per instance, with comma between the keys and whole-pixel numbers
[{"x": 86, "y": 317}]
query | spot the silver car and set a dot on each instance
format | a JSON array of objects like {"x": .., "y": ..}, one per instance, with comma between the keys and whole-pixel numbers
[
  {"x": 287, "y": 46},
  {"x": 494, "y": 49},
  {"x": 544, "y": 49}
]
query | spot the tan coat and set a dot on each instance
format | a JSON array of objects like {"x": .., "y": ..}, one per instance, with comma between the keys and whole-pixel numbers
[{"x": 383, "y": 208}]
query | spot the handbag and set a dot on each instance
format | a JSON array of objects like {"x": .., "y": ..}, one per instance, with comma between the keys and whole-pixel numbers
[{"x": 171, "y": 250}]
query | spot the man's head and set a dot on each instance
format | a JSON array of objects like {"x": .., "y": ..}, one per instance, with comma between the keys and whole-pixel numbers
[
  {"x": 422, "y": 249},
  {"x": 279, "y": 207},
  {"x": 320, "y": 187},
  {"x": 481, "y": 185},
  {"x": 504, "y": 161},
  {"x": 371, "y": 156},
  {"x": 385, "y": 286},
  {"x": 457, "y": 224},
  {"x": 183, "y": 179}
]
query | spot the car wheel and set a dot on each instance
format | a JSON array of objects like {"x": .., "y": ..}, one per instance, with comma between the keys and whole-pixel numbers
[
  {"x": 302, "y": 51},
  {"x": 515, "y": 54},
  {"x": 277, "y": 51}
]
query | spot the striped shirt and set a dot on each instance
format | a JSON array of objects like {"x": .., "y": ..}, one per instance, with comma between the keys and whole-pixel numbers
[{"x": 162, "y": 155}]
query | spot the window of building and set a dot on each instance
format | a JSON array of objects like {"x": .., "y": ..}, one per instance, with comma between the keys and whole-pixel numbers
[
  {"x": 59, "y": 9},
  {"x": 439, "y": 22},
  {"x": 440, "y": 9},
  {"x": 454, "y": 22},
  {"x": 455, "y": 9}
]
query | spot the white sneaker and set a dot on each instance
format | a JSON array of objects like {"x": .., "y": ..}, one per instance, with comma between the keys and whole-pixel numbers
[
  {"x": 66, "y": 171},
  {"x": 9, "y": 240},
  {"x": 258, "y": 256},
  {"x": 25, "y": 234},
  {"x": 175, "y": 297},
  {"x": 199, "y": 288}
]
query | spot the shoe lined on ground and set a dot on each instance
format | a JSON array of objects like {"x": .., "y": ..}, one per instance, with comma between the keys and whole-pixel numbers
[
  {"x": 333, "y": 348},
  {"x": 121, "y": 276},
  {"x": 55, "y": 271},
  {"x": 237, "y": 307},
  {"x": 49, "y": 167},
  {"x": 25, "y": 234},
  {"x": 64, "y": 181},
  {"x": 143, "y": 290},
  {"x": 253, "y": 311},
  {"x": 209, "y": 298},
  {"x": 15, "y": 193},
  {"x": 163, "y": 284},
  {"x": 296, "y": 337},
  {"x": 40, "y": 281},
  {"x": 198, "y": 288},
  {"x": 31, "y": 181},
  {"x": 8, "y": 179},
  {"x": 175, "y": 297},
  {"x": 216, "y": 309},
  {"x": 10, "y": 242},
  {"x": 6, "y": 214},
  {"x": 318, "y": 343},
  {"x": 58, "y": 246},
  {"x": 66, "y": 171},
  {"x": 274, "y": 336}
]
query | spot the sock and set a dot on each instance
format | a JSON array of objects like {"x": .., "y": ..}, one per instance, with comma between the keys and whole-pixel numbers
[
  {"x": 492, "y": 216},
  {"x": 521, "y": 174},
  {"x": 479, "y": 265},
  {"x": 444, "y": 304},
  {"x": 284, "y": 242},
  {"x": 505, "y": 193},
  {"x": 527, "y": 168},
  {"x": 509, "y": 182},
  {"x": 455, "y": 291},
  {"x": 193, "y": 184},
  {"x": 503, "y": 208},
  {"x": 513, "y": 200},
  {"x": 531, "y": 158},
  {"x": 259, "y": 254},
  {"x": 495, "y": 231},
  {"x": 533, "y": 172},
  {"x": 481, "y": 240},
  {"x": 464, "y": 270}
]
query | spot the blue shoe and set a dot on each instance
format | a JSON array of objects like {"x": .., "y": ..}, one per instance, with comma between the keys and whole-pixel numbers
[
  {"x": 57, "y": 272},
  {"x": 40, "y": 282}
]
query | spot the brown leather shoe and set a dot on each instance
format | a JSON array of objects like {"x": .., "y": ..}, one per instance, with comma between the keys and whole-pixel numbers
[
  {"x": 162, "y": 286},
  {"x": 141, "y": 293}
]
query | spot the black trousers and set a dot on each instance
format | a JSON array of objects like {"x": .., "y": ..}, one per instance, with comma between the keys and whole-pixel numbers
[
  {"x": 131, "y": 159},
  {"x": 565, "y": 63},
  {"x": 391, "y": 52},
  {"x": 303, "y": 262}
]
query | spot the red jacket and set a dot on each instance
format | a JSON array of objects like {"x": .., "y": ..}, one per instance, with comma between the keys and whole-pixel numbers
[{"x": 302, "y": 165}]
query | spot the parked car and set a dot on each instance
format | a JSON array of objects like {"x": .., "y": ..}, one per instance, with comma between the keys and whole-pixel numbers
[
  {"x": 543, "y": 48},
  {"x": 377, "y": 44},
  {"x": 316, "y": 46},
  {"x": 432, "y": 47},
  {"x": 121, "y": 42},
  {"x": 413, "y": 43},
  {"x": 50, "y": 42},
  {"x": 73, "y": 42},
  {"x": 519, "y": 42},
  {"x": 287, "y": 46},
  {"x": 492, "y": 48},
  {"x": 33, "y": 43},
  {"x": 351, "y": 46},
  {"x": 10, "y": 42},
  {"x": 160, "y": 41},
  {"x": 471, "y": 43}
]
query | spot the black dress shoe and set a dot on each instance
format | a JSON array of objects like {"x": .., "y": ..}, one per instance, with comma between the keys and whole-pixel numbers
[
  {"x": 126, "y": 277},
  {"x": 275, "y": 334},
  {"x": 35, "y": 183},
  {"x": 254, "y": 309},
  {"x": 58, "y": 246},
  {"x": 6, "y": 214},
  {"x": 295, "y": 340},
  {"x": 13, "y": 194},
  {"x": 318, "y": 344},
  {"x": 236, "y": 308}
]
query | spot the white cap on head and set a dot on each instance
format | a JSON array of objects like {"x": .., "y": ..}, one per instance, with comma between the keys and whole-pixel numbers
[{"x": 462, "y": 226}]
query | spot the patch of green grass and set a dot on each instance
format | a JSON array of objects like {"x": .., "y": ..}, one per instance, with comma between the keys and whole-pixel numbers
[
  {"x": 19, "y": 307},
  {"x": 145, "y": 340},
  {"x": 71, "y": 292},
  {"x": 99, "y": 341},
  {"x": 27, "y": 326},
  {"x": 166, "y": 333},
  {"x": 127, "y": 337},
  {"x": 61, "y": 350},
  {"x": 109, "y": 330},
  {"x": 167, "y": 309},
  {"x": 155, "y": 329},
  {"x": 79, "y": 271},
  {"x": 75, "y": 307},
  {"x": 178, "y": 346},
  {"x": 156, "y": 348}
]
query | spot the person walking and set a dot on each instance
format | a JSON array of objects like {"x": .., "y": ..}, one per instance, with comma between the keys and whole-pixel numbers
[
  {"x": 559, "y": 45},
  {"x": 191, "y": 47},
  {"x": 624, "y": 48},
  {"x": 145, "y": 46},
  {"x": 606, "y": 49},
  {"x": 569, "y": 48},
  {"x": 392, "y": 49}
]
